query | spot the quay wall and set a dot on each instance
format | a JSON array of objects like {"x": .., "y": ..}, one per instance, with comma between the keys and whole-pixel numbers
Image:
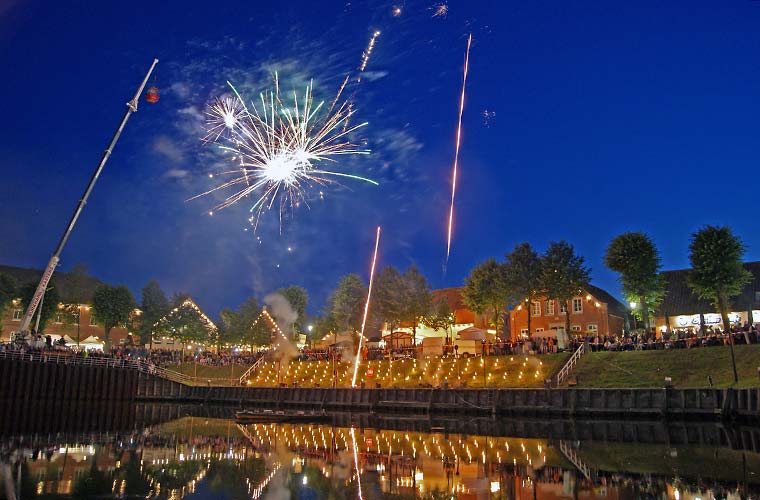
[
  {"x": 41, "y": 390},
  {"x": 621, "y": 403}
]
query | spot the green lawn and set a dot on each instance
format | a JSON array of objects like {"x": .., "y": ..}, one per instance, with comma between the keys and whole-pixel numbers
[
  {"x": 686, "y": 367},
  {"x": 208, "y": 372}
]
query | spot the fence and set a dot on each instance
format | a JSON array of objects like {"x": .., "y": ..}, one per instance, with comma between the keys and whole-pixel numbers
[{"x": 570, "y": 364}]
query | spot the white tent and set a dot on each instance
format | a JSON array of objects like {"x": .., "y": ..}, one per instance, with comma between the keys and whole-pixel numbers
[{"x": 473, "y": 333}]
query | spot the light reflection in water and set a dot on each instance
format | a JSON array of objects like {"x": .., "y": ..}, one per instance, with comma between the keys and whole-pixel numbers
[{"x": 198, "y": 458}]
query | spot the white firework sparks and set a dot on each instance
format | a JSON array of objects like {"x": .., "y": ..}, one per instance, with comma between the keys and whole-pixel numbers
[
  {"x": 440, "y": 10},
  {"x": 279, "y": 149}
]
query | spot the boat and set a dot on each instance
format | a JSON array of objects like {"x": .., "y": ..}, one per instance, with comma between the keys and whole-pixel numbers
[{"x": 253, "y": 416}]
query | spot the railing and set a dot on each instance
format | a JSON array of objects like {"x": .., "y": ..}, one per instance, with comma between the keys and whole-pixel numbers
[
  {"x": 570, "y": 365},
  {"x": 250, "y": 370},
  {"x": 573, "y": 457},
  {"x": 133, "y": 364}
]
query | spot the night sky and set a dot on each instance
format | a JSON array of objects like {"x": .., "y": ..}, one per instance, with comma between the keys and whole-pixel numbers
[{"x": 583, "y": 119}]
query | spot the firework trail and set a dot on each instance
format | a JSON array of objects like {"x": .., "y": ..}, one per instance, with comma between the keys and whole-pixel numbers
[
  {"x": 366, "y": 308},
  {"x": 456, "y": 151},
  {"x": 366, "y": 54},
  {"x": 278, "y": 149}
]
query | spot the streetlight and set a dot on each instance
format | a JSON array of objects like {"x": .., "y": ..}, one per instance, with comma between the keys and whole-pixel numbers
[{"x": 633, "y": 305}]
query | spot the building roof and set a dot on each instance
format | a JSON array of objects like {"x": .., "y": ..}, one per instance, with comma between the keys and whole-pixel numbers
[
  {"x": 680, "y": 299},
  {"x": 64, "y": 283},
  {"x": 614, "y": 306}
]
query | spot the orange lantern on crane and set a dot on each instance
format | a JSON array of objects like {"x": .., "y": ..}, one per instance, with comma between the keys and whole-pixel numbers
[{"x": 152, "y": 95}]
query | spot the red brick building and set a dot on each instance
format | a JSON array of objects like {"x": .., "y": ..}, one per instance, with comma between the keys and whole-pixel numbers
[{"x": 593, "y": 312}]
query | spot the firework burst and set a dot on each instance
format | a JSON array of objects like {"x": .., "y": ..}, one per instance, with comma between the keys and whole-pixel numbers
[{"x": 278, "y": 150}]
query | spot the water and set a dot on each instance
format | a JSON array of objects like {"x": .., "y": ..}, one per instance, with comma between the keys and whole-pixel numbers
[{"x": 174, "y": 452}]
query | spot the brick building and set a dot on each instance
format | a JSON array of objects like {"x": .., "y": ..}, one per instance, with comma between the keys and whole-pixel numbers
[
  {"x": 593, "y": 311},
  {"x": 71, "y": 290}
]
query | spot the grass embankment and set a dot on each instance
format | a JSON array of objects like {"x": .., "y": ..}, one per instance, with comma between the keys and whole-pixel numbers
[
  {"x": 500, "y": 371},
  {"x": 686, "y": 368},
  {"x": 203, "y": 372}
]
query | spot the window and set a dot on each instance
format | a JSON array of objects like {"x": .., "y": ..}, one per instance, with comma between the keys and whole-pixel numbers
[
  {"x": 539, "y": 330},
  {"x": 535, "y": 308},
  {"x": 17, "y": 315},
  {"x": 549, "y": 308},
  {"x": 592, "y": 328},
  {"x": 577, "y": 305},
  {"x": 562, "y": 307},
  {"x": 524, "y": 332},
  {"x": 575, "y": 328}
]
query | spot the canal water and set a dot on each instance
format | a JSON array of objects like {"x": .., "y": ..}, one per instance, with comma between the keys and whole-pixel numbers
[{"x": 201, "y": 454}]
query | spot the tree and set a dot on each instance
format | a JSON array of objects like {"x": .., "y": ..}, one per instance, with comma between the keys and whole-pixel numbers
[
  {"x": 485, "y": 290},
  {"x": 441, "y": 317},
  {"x": 186, "y": 323},
  {"x": 298, "y": 299},
  {"x": 717, "y": 272},
  {"x": 563, "y": 275},
  {"x": 248, "y": 329},
  {"x": 416, "y": 298},
  {"x": 522, "y": 272},
  {"x": 112, "y": 306},
  {"x": 7, "y": 290},
  {"x": 226, "y": 328},
  {"x": 49, "y": 303},
  {"x": 388, "y": 299},
  {"x": 635, "y": 257},
  {"x": 154, "y": 306},
  {"x": 346, "y": 304}
]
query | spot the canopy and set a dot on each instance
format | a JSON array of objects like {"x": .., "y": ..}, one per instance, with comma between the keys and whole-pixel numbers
[{"x": 473, "y": 333}]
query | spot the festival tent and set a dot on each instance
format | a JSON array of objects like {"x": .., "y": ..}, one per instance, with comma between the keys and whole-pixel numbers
[{"x": 473, "y": 333}]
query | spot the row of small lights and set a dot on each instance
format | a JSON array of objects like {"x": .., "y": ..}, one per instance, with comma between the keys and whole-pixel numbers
[{"x": 319, "y": 371}]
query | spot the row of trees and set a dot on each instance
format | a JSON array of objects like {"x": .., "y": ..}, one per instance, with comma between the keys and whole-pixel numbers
[{"x": 494, "y": 288}]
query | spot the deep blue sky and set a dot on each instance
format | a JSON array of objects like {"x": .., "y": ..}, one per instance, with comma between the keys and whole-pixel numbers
[{"x": 609, "y": 117}]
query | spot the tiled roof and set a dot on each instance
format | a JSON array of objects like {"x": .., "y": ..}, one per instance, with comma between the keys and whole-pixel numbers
[
  {"x": 614, "y": 306},
  {"x": 679, "y": 298}
]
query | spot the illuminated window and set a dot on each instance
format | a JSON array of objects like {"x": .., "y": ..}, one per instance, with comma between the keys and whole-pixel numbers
[
  {"x": 575, "y": 328},
  {"x": 549, "y": 308},
  {"x": 562, "y": 307},
  {"x": 535, "y": 308},
  {"x": 577, "y": 305},
  {"x": 17, "y": 315},
  {"x": 524, "y": 331},
  {"x": 539, "y": 330},
  {"x": 592, "y": 328}
]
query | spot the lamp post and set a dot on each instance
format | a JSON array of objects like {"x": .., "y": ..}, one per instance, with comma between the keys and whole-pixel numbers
[{"x": 633, "y": 305}]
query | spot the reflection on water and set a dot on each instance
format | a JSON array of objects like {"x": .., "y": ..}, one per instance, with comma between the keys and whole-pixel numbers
[{"x": 207, "y": 458}]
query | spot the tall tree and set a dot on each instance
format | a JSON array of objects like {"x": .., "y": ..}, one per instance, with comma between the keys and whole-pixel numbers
[
  {"x": 388, "y": 298},
  {"x": 7, "y": 291},
  {"x": 416, "y": 298},
  {"x": 634, "y": 256},
  {"x": 522, "y": 271},
  {"x": 298, "y": 299},
  {"x": 49, "y": 303},
  {"x": 563, "y": 275},
  {"x": 226, "y": 328},
  {"x": 112, "y": 306},
  {"x": 485, "y": 290},
  {"x": 154, "y": 306},
  {"x": 249, "y": 324},
  {"x": 717, "y": 272},
  {"x": 346, "y": 304},
  {"x": 441, "y": 317}
]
